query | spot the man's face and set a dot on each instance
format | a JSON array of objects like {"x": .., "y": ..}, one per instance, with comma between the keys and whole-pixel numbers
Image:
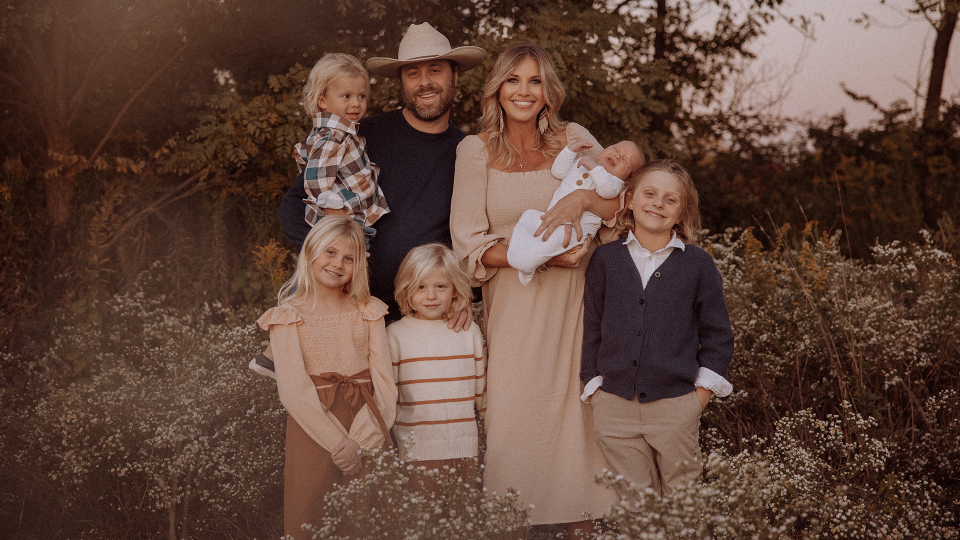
[{"x": 428, "y": 88}]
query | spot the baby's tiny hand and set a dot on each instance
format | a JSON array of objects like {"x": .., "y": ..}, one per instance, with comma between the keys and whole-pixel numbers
[
  {"x": 588, "y": 162},
  {"x": 579, "y": 144}
]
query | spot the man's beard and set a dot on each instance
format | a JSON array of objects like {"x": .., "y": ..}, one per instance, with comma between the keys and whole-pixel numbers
[{"x": 428, "y": 113}]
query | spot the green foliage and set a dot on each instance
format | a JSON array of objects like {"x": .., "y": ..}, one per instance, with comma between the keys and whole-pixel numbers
[{"x": 882, "y": 183}]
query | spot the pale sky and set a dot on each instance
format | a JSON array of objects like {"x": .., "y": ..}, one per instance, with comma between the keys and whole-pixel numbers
[{"x": 884, "y": 61}]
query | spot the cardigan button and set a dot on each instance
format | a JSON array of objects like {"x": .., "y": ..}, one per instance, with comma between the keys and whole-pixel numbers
[
  {"x": 642, "y": 395},
  {"x": 586, "y": 175},
  {"x": 656, "y": 274},
  {"x": 634, "y": 362},
  {"x": 641, "y": 301},
  {"x": 639, "y": 332},
  {"x": 579, "y": 182}
]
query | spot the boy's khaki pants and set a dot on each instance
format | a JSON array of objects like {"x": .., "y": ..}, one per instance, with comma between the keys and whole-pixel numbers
[{"x": 652, "y": 445}]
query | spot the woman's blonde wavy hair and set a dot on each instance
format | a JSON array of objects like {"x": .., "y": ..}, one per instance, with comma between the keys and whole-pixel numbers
[
  {"x": 325, "y": 233},
  {"x": 688, "y": 226},
  {"x": 504, "y": 155}
]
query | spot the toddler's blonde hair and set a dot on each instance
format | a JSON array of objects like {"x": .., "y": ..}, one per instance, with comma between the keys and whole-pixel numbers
[
  {"x": 326, "y": 232},
  {"x": 422, "y": 261},
  {"x": 329, "y": 68}
]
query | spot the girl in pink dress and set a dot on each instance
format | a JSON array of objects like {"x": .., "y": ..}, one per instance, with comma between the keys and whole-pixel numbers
[{"x": 333, "y": 369}]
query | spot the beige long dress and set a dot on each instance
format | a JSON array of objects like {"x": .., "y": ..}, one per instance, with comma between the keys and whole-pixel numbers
[{"x": 540, "y": 437}]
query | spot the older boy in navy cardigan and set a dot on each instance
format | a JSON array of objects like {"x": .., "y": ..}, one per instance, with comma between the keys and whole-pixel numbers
[{"x": 656, "y": 329}]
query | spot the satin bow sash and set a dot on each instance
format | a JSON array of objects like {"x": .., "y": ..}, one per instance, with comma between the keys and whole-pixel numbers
[{"x": 356, "y": 389}]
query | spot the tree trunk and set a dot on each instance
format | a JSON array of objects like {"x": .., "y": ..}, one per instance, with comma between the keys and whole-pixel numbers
[
  {"x": 660, "y": 38},
  {"x": 941, "y": 48}
]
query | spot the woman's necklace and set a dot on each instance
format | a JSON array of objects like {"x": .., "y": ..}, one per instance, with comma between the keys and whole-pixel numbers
[{"x": 521, "y": 152}]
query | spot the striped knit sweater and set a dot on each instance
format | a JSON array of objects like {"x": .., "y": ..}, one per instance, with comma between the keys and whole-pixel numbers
[{"x": 440, "y": 377}]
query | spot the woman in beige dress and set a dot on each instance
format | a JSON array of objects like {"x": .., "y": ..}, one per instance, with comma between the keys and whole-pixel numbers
[{"x": 540, "y": 438}]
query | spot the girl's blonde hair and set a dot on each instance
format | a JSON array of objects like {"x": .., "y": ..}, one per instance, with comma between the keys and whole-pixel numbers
[
  {"x": 324, "y": 234},
  {"x": 503, "y": 154},
  {"x": 688, "y": 225},
  {"x": 329, "y": 68},
  {"x": 424, "y": 260}
]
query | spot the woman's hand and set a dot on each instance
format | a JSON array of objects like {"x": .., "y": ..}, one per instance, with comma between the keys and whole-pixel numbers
[
  {"x": 567, "y": 213},
  {"x": 346, "y": 456},
  {"x": 572, "y": 258}
]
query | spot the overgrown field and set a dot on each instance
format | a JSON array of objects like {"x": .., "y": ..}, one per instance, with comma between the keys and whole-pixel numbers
[{"x": 139, "y": 419}]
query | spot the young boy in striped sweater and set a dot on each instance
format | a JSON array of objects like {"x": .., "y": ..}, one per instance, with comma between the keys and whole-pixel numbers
[{"x": 440, "y": 373}]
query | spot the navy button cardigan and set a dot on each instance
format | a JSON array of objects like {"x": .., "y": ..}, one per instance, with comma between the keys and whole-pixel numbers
[{"x": 651, "y": 342}]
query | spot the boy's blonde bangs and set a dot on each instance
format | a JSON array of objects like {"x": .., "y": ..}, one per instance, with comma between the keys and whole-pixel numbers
[{"x": 422, "y": 261}]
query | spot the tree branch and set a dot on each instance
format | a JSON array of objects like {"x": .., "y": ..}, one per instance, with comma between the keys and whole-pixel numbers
[
  {"x": 133, "y": 98},
  {"x": 180, "y": 192}
]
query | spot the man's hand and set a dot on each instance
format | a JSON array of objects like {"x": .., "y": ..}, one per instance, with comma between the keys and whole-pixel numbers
[
  {"x": 336, "y": 211},
  {"x": 346, "y": 456},
  {"x": 460, "y": 320}
]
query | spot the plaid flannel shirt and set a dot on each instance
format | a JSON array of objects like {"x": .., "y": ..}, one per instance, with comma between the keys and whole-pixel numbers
[{"x": 335, "y": 163}]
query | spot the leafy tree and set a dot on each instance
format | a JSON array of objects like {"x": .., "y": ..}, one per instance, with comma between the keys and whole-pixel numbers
[
  {"x": 76, "y": 69},
  {"x": 942, "y": 16}
]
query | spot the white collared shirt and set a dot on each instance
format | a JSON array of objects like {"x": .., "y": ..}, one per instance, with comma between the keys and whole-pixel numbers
[{"x": 647, "y": 263}]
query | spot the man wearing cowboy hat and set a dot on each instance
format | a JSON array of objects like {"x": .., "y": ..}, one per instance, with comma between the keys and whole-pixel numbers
[{"x": 415, "y": 148}]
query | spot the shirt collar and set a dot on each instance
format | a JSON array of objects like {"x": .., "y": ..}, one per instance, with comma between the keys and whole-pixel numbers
[
  {"x": 674, "y": 242},
  {"x": 325, "y": 119}
]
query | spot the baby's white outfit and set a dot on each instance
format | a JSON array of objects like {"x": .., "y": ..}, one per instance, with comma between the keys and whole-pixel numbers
[{"x": 526, "y": 252}]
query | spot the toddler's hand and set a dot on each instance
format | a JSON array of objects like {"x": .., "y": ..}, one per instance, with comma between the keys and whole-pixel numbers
[{"x": 579, "y": 144}]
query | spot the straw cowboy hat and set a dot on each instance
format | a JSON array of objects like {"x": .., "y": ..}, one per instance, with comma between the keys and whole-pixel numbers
[{"x": 421, "y": 43}]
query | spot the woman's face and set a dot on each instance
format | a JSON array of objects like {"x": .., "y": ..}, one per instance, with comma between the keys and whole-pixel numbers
[{"x": 521, "y": 95}]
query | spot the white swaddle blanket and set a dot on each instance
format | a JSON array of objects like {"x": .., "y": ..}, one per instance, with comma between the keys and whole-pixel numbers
[{"x": 526, "y": 252}]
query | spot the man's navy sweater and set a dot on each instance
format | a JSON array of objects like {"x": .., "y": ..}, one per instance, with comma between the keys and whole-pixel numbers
[
  {"x": 651, "y": 342},
  {"x": 416, "y": 176}
]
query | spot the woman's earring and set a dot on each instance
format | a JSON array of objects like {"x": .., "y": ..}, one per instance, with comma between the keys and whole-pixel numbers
[
  {"x": 542, "y": 122},
  {"x": 501, "y": 119}
]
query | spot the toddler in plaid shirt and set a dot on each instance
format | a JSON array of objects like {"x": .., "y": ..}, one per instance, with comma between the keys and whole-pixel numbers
[{"x": 337, "y": 174}]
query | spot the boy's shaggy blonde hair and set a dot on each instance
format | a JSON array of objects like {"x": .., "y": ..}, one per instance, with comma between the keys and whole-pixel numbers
[
  {"x": 326, "y": 232},
  {"x": 329, "y": 68},
  {"x": 688, "y": 225},
  {"x": 424, "y": 260}
]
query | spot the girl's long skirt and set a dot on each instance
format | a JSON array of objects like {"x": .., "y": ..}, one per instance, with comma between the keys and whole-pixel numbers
[{"x": 309, "y": 474}]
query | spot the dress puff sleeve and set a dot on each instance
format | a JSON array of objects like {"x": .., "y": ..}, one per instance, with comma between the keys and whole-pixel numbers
[
  {"x": 469, "y": 227},
  {"x": 298, "y": 393},
  {"x": 366, "y": 429}
]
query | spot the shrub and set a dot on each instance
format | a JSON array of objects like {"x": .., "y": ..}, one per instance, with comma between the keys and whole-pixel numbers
[
  {"x": 169, "y": 433},
  {"x": 400, "y": 500},
  {"x": 816, "y": 479}
]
